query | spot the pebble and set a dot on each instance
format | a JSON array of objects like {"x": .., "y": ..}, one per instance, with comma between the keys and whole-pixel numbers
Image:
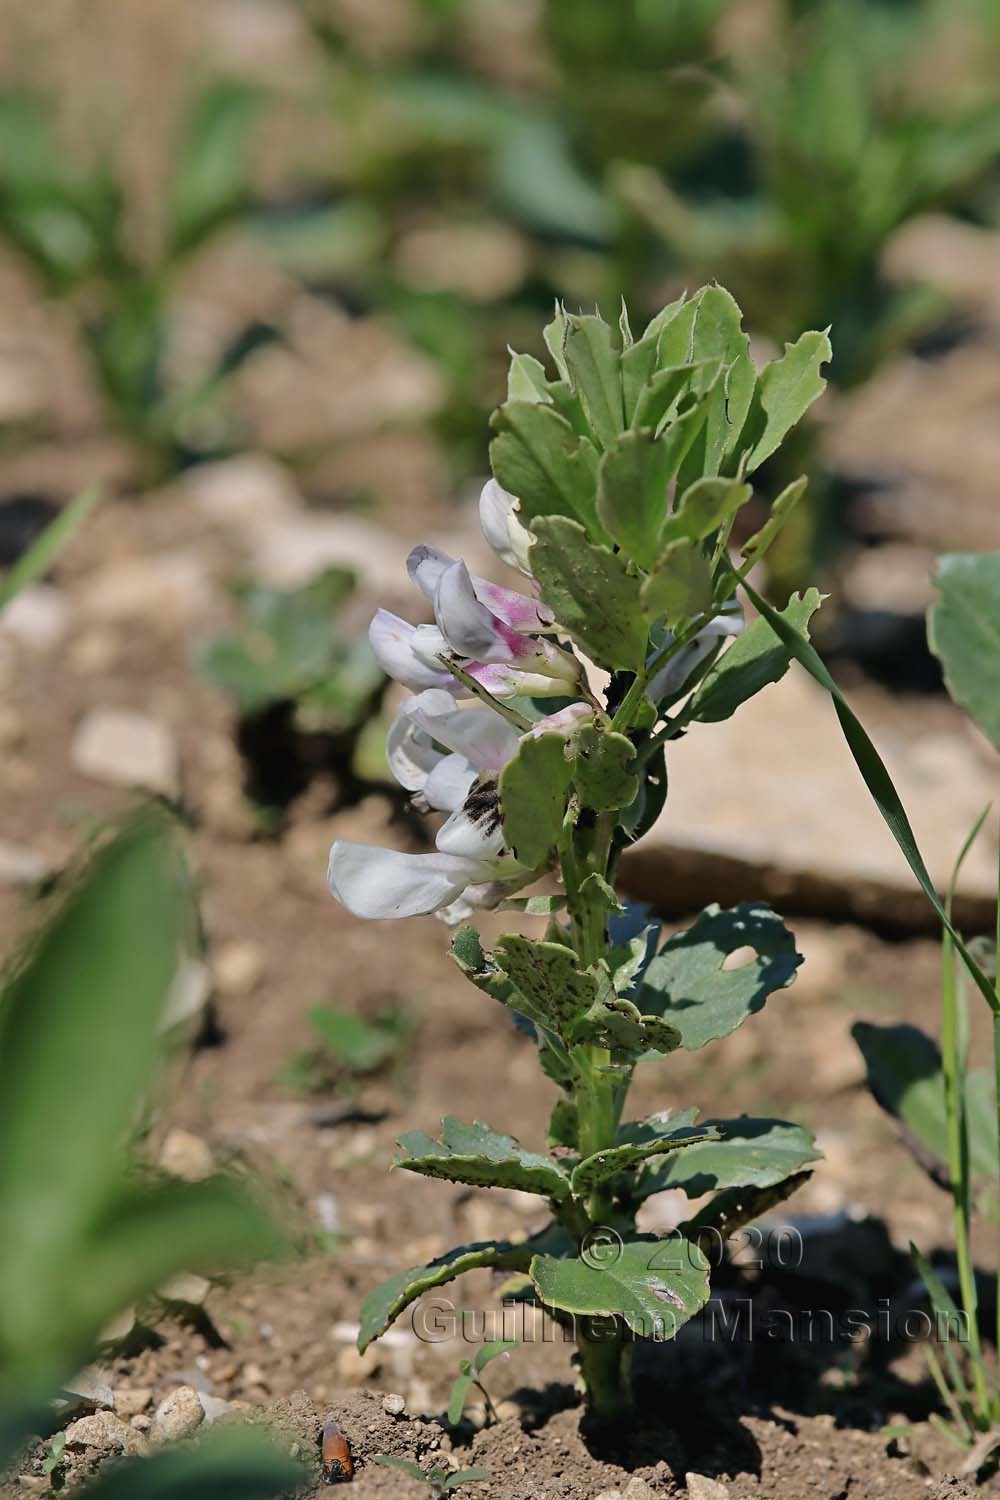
[
  {"x": 177, "y": 1415},
  {"x": 37, "y": 618},
  {"x": 393, "y": 1405},
  {"x": 169, "y": 589},
  {"x": 91, "y": 1386},
  {"x": 700, "y": 1487},
  {"x": 213, "y": 1406},
  {"x": 20, "y": 866},
  {"x": 125, "y": 748},
  {"x": 238, "y": 968},
  {"x": 130, "y": 1401},
  {"x": 103, "y": 1430},
  {"x": 242, "y": 492},
  {"x": 186, "y": 1156},
  {"x": 185, "y": 1288}
]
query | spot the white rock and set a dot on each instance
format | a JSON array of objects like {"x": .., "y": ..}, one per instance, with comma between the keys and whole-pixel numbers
[
  {"x": 171, "y": 587},
  {"x": 213, "y": 1406},
  {"x": 185, "y": 1287},
  {"x": 21, "y": 866},
  {"x": 393, "y": 1405},
  {"x": 637, "y": 1489},
  {"x": 243, "y": 492},
  {"x": 38, "y": 617},
  {"x": 177, "y": 1416},
  {"x": 125, "y": 748},
  {"x": 185, "y": 1155},
  {"x": 238, "y": 967},
  {"x": 91, "y": 1385},
  {"x": 290, "y": 553},
  {"x": 103, "y": 1430},
  {"x": 700, "y": 1487}
]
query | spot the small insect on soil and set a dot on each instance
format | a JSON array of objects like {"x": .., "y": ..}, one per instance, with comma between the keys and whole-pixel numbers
[{"x": 338, "y": 1465}]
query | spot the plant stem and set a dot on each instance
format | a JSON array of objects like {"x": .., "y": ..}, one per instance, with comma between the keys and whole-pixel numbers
[{"x": 996, "y": 1084}]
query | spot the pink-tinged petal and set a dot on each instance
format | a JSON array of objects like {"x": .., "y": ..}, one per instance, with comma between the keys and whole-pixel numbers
[
  {"x": 425, "y": 565},
  {"x": 373, "y": 882},
  {"x": 563, "y": 721},
  {"x": 394, "y": 641},
  {"x": 516, "y": 610},
  {"x": 504, "y": 681},
  {"x": 485, "y": 740},
  {"x": 448, "y": 785},
  {"x": 468, "y": 626}
]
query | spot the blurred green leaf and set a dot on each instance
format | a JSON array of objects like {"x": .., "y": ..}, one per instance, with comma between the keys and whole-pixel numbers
[
  {"x": 42, "y": 553},
  {"x": 210, "y": 182},
  {"x": 963, "y": 629},
  {"x": 362, "y": 1046},
  {"x": 240, "y": 1464}
]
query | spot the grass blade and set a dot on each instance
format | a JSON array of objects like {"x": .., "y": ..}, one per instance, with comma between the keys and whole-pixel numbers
[{"x": 40, "y": 556}]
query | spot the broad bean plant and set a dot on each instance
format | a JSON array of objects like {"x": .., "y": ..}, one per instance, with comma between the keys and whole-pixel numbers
[{"x": 540, "y": 721}]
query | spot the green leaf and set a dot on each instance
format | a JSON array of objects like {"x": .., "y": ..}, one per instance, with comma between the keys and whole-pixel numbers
[
  {"x": 85, "y": 1006},
  {"x": 614, "y": 1022},
  {"x": 756, "y": 658},
  {"x": 703, "y": 508},
  {"x": 632, "y": 492},
  {"x": 655, "y": 1286},
  {"x": 593, "y": 364},
  {"x": 539, "y": 458},
  {"x": 718, "y": 334},
  {"x": 963, "y": 630},
  {"x": 601, "y": 770},
  {"x": 534, "y": 788},
  {"x": 465, "y": 1476},
  {"x": 591, "y": 592},
  {"x": 458, "y": 1396},
  {"x": 362, "y": 1046},
  {"x": 731, "y": 1209},
  {"x": 688, "y": 985},
  {"x": 876, "y": 779},
  {"x": 406, "y": 1464},
  {"x": 490, "y": 1351},
  {"x": 549, "y": 977},
  {"x": 239, "y": 1464},
  {"x": 745, "y": 1153},
  {"x": 383, "y": 1306},
  {"x": 906, "y": 1077},
  {"x": 210, "y": 183},
  {"x": 476, "y": 1155},
  {"x": 785, "y": 389},
  {"x": 42, "y": 553},
  {"x": 754, "y": 549},
  {"x": 526, "y": 380},
  {"x": 637, "y": 1143},
  {"x": 680, "y": 584}
]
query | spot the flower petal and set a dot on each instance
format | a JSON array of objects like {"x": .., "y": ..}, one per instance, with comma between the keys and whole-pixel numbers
[
  {"x": 468, "y": 626},
  {"x": 485, "y": 740},
  {"x": 373, "y": 882},
  {"x": 472, "y": 834},
  {"x": 501, "y": 528},
  {"x": 410, "y": 752},
  {"x": 447, "y": 786},
  {"x": 425, "y": 565},
  {"x": 394, "y": 643}
]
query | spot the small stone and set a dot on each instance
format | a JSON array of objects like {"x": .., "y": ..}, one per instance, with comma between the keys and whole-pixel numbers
[
  {"x": 393, "y": 1405},
  {"x": 700, "y": 1487},
  {"x": 185, "y": 1288},
  {"x": 186, "y": 1156},
  {"x": 34, "y": 1482},
  {"x": 91, "y": 1386},
  {"x": 327, "y": 1212},
  {"x": 242, "y": 492},
  {"x": 103, "y": 1430},
  {"x": 20, "y": 866},
  {"x": 119, "y": 1327},
  {"x": 125, "y": 748},
  {"x": 140, "y": 1422},
  {"x": 171, "y": 589},
  {"x": 508, "y": 1411},
  {"x": 291, "y": 552},
  {"x": 213, "y": 1406},
  {"x": 238, "y": 967},
  {"x": 130, "y": 1401},
  {"x": 609, "y": 1495},
  {"x": 254, "y": 1375},
  {"x": 637, "y": 1489},
  {"x": 38, "y": 617},
  {"x": 177, "y": 1416}
]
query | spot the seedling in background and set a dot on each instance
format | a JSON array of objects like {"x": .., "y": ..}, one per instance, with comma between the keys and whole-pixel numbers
[
  {"x": 70, "y": 224},
  {"x": 947, "y": 1110},
  {"x": 439, "y": 1481},
  {"x": 619, "y": 478},
  {"x": 308, "y": 691},
  {"x": 351, "y": 1046},
  {"x": 469, "y": 1372}
]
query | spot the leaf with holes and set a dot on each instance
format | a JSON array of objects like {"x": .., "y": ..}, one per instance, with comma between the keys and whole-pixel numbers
[
  {"x": 481, "y": 1157},
  {"x": 679, "y": 585},
  {"x": 703, "y": 508},
  {"x": 754, "y": 549},
  {"x": 744, "y": 1153},
  {"x": 963, "y": 629},
  {"x": 688, "y": 984},
  {"x": 548, "y": 975},
  {"x": 590, "y": 591},
  {"x": 601, "y": 770},
  {"x": 785, "y": 390},
  {"x": 655, "y": 1286},
  {"x": 534, "y": 787}
]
